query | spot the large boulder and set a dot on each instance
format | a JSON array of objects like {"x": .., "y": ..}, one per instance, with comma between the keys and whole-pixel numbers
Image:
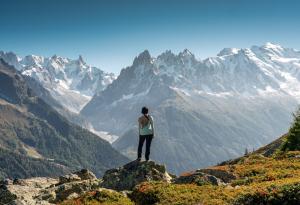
[
  {"x": 71, "y": 186},
  {"x": 133, "y": 173},
  {"x": 197, "y": 177},
  {"x": 69, "y": 190},
  {"x": 224, "y": 175},
  {"x": 83, "y": 174}
]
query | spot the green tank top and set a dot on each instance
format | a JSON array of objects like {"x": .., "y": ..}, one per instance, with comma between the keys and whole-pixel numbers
[{"x": 148, "y": 128}]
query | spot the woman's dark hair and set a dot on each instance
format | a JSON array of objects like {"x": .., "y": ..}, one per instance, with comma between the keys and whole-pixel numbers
[{"x": 145, "y": 110}]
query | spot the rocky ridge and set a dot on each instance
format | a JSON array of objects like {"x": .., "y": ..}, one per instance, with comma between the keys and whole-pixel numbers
[
  {"x": 251, "y": 179},
  {"x": 122, "y": 180}
]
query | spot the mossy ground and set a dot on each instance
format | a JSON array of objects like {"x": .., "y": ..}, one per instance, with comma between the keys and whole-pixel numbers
[
  {"x": 103, "y": 197},
  {"x": 260, "y": 180}
]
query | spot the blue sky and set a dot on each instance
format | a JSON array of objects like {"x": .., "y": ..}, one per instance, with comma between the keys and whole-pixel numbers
[{"x": 110, "y": 33}]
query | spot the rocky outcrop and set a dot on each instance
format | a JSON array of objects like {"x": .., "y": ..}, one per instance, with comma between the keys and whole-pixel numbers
[
  {"x": 83, "y": 174},
  {"x": 43, "y": 190},
  {"x": 70, "y": 190},
  {"x": 133, "y": 173},
  {"x": 116, "y": 183},
  {"x": 23, "y": 192}
]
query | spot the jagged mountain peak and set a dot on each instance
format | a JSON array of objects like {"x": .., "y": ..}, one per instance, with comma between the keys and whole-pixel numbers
[
  {"x": 81, "y": 60},
  {"x": 142, "y": 58},
  {"x": 167, "y": 57},
  {"x": 228, "y": 51},
  {"x": 266, "y": 48},
  {"x": 185, "y": 53},
  {"x": 11, "y": 58},
  {"x": 56, "y": 58},
  {"x": 32, "y": 60},
  {"x": 9, "y": 53},
  {"x": 272, "y": 46},
  {"x": 269, "y": 48},
  {"x": 245, "y": 53},
  {"x": 166, "y": 54},
  {"x": 275, "y": 50}
]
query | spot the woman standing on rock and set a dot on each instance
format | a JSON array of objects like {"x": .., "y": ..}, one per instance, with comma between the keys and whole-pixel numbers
[{"x": 146, "y": 132}]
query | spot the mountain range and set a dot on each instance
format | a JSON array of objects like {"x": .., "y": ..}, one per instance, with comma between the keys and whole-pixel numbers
[
  {"x": 71, "y": 82},
  {"x": 205, "y": 111}
]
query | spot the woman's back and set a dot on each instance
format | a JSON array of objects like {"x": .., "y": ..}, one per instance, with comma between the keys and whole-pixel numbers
[{"x": 146, "y": 125}]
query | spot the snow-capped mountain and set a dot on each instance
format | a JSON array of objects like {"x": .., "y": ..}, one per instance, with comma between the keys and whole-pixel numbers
[
  {"x": 70, "y": 82},
  {"x": 239, "y": 71},
  {"x": 205, "y": 110}
]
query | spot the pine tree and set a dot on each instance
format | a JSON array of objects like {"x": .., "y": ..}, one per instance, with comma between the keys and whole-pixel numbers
[{"x": 293, "y": 139}]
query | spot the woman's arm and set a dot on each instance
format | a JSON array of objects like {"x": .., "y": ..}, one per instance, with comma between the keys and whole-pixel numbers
[
  {"x": 152, "y": 124},
  {"x": 139, "y": 126}
]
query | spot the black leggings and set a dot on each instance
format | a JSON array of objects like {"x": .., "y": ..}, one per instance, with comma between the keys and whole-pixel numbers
[{"x": 142, "y": 139}]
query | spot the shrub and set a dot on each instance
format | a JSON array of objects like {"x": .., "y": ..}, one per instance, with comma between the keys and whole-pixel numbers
[
  {"x": 286, "y": 194},
  {"x": 103, "y": 197},
  {"x": 292, "y": 142}
]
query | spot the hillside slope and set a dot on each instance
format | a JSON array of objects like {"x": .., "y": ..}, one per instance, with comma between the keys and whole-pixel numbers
[{"x": 31, "y": 128}]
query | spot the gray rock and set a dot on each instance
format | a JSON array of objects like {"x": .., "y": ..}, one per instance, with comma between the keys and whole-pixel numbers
[
  {"x": 46, "y": 191},
  {"x": 133, "y": 173},
  {"x": 225, "y": 176},
  {"x": 198, "y": 178},
  {"x": 68, "y": 178},
  {"x": 19, "y": 182},
  {"x": 72, "y": 189},
  {"x": 85, "y": 174},
  {"x": 6, "y": 182}
]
